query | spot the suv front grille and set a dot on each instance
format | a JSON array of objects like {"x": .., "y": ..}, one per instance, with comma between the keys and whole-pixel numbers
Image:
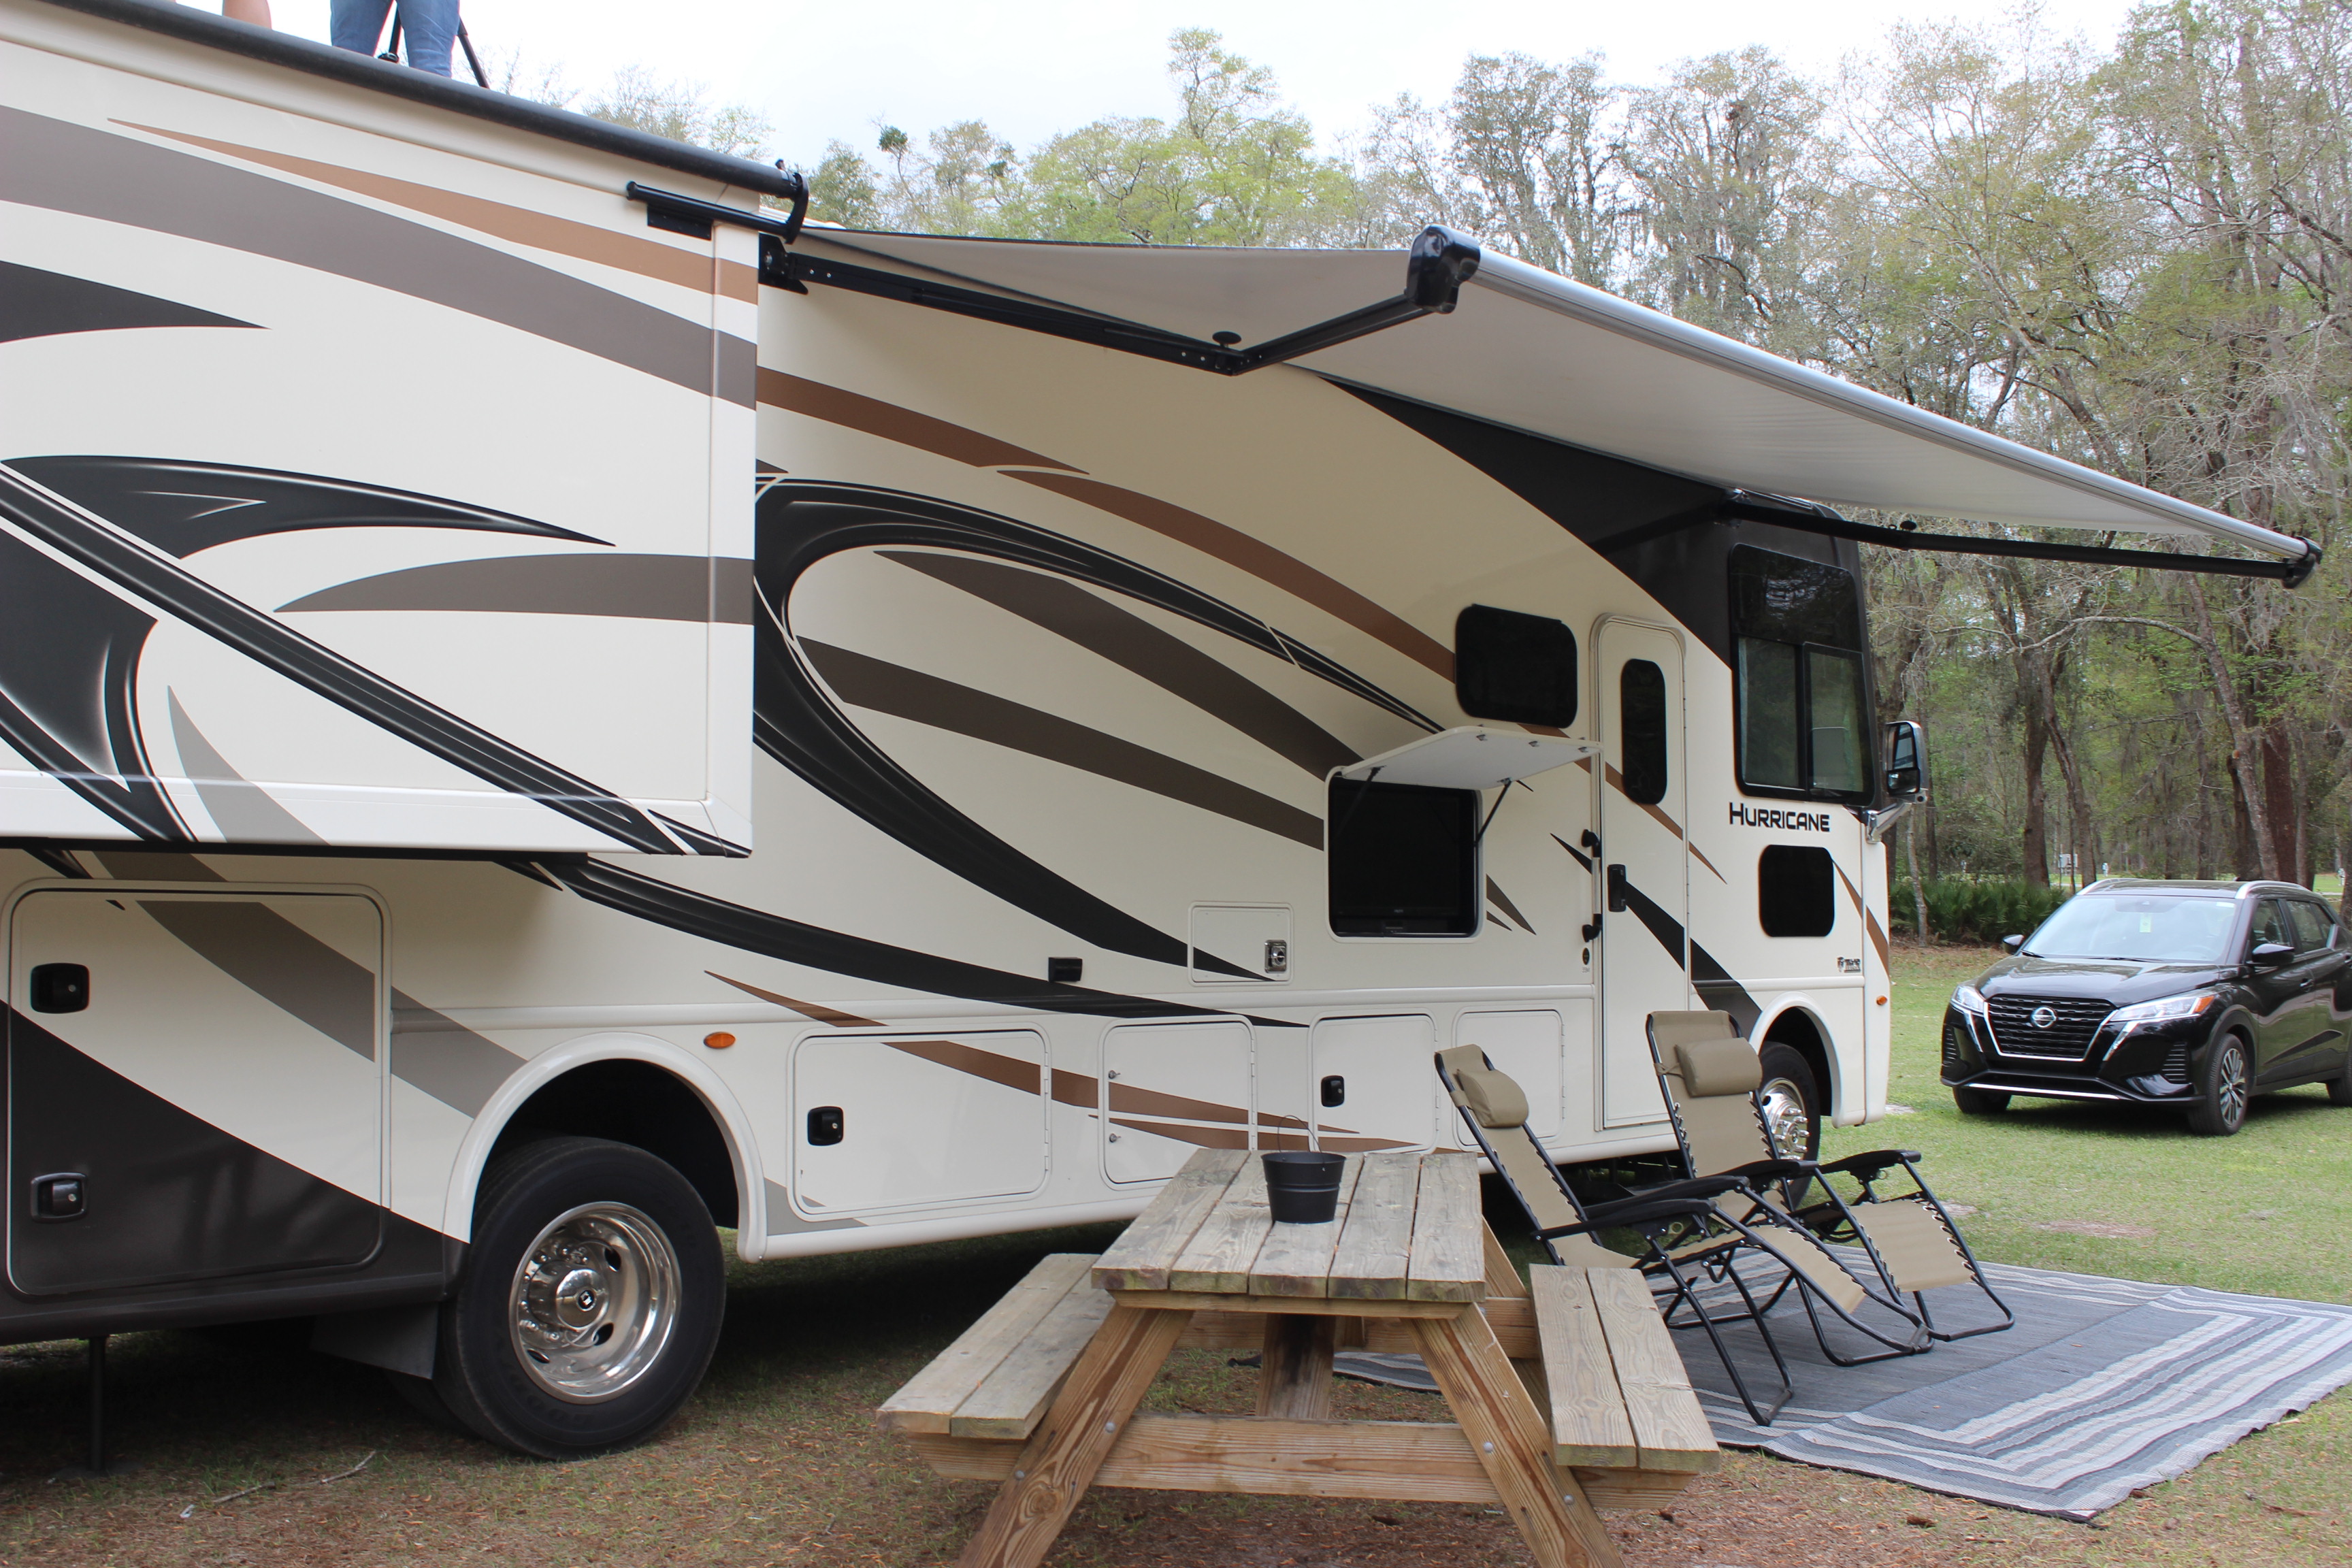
[{"x": 2071, "y": 1024}]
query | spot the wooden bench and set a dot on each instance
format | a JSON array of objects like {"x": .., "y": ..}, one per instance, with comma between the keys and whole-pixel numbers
[{"x": 1624, "y": 1420}]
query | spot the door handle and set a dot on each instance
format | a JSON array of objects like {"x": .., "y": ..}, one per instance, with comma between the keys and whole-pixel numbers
[{"x": 1617, "y": 890}]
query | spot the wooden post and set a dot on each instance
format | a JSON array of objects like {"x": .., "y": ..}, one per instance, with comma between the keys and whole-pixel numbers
[
  {"x": 1507, "y": 1431},
  {"x": 1059, "y": 1461},
  {"x": 1296, "y": 1376}
]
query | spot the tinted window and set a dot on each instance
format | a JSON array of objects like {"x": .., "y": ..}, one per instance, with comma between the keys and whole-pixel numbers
[
  {"x": 1514, "y": 667},
  {"x": 1402, "y": 860},
  {"x": 2271, "y": 925},
  {"x": 1642, "y": 727},
  {"x": 1769, "y": 755},
  {"x": 1796, "y": 890},
  {"x": 1792, "y": 600},
  {"x": 1803, "y": 723},
  {"x": 1841, "y": 757},
  {"x": 2312, "y": 930}
]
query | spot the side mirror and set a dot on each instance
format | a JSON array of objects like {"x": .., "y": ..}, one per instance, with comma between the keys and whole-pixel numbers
[
  {"x": 2269, "y": 955},
  {"x": 1905, "y": 770},
  {"x": 2012, "y": 943}
]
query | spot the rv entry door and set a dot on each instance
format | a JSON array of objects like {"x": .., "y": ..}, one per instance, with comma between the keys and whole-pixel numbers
[{"x": 1644, "y": 882}]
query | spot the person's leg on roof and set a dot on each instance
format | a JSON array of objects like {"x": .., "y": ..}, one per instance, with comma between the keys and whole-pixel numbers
[
  {"x": 357, "y": 25},
  {"x": 430, "y": 27}
]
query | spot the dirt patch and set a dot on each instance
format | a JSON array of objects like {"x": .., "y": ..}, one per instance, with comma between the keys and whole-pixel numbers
[{"x": 2103, "y": 1229}]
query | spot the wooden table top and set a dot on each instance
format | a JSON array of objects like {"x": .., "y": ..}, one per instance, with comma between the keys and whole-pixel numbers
[{"x": 1408, "y": 1230}]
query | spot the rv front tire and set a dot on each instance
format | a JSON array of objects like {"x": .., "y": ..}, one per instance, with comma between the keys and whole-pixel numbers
[
  {"x": 1791, "y": 1101},
  {"x": 590, "y": 1302}
]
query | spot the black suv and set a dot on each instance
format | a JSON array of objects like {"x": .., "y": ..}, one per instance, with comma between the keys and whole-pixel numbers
[{"x": 2195, "y": 995}]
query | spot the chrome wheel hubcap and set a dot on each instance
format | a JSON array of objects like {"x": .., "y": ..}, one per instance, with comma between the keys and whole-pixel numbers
[
  {"x": 2229, "y": 1086},
  {"x": 1785, "y": 1118},
  {"x": 594, "y": 1301}
]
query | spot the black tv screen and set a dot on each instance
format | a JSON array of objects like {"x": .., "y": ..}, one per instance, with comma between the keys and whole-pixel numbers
[{"x": 1403, "y": 860}]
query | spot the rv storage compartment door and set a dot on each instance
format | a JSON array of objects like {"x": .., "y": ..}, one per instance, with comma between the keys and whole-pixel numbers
[
  {"x": 1169, "y": 1090},
  {"x": 890, "y": 1121},
  {"x": 1387, "y": 1097},
  {"x": 372, "y": 475},
  {"x": 218, "y": 1096}
]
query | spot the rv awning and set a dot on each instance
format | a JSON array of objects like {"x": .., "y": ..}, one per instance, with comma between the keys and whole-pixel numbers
[{"x": 1556, "y": 359}]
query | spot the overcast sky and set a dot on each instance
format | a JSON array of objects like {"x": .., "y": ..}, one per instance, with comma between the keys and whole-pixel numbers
[{"x": 1031, "y": 69}]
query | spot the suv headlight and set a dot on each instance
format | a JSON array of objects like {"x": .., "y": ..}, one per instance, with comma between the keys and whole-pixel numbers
[
  {"x": 2188, "y": 1006},
  {"x": 1968, "y": 999}
]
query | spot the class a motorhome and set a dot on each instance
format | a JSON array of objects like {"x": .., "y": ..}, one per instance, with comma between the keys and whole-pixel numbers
[{"x": 547, "y": 710}]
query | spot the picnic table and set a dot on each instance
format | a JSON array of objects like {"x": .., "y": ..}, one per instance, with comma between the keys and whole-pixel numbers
[{"x": 1042, "y": 1393}]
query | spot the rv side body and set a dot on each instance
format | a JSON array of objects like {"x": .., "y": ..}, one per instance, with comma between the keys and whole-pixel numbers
[{"x": 990, "y": 652}]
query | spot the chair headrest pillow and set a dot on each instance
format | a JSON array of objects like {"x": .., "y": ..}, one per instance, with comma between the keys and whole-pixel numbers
[
  {"x": 1711, "y": 1067},
  {"x": 1494, "y": 1098}
]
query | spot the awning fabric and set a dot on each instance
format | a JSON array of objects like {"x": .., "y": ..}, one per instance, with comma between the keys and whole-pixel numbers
[{"x": 1542, "y": 354}]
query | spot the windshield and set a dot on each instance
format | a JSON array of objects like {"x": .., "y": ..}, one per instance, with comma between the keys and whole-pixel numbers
[{"x": 2165, "y": 929}]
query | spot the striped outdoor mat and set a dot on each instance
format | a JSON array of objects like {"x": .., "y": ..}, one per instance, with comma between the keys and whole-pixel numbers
[{"x": 2105, "y": 1385}]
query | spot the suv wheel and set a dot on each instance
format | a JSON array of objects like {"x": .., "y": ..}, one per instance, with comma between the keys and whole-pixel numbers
[
  {"x": 1979, "y": 1101},
  {"x": 590, "y": 1302},
  {"x": 2339, "y": 1087},
  {"x": 2224, "y": 1084}
]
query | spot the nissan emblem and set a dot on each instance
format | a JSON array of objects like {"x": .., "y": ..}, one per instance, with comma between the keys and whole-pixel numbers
[{"x": 2043, "y": 1016}]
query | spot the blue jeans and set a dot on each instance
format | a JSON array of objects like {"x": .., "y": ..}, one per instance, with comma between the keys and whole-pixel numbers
[{"x": 428, "y": 29}]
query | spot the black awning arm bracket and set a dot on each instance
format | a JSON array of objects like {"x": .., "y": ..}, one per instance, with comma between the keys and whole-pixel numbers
[
  {"x": 693, "y": 217},
  {"x": 1436, "y": 267},
  {"x": 1743, "y": 506}
]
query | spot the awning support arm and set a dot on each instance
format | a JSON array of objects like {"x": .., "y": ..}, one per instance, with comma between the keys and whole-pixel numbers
[
  {"x": 692, "y": 216},
  {"x": 1741, "y": 506},
  {"x": 1436, "y": 267}
]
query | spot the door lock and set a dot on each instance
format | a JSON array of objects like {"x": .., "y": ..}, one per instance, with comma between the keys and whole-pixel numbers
[
  {"x": 1618, "y": 891},
  {"x": 61, "y": 987},
  {"x": 65, "y": 1195},
  {"x": 1335, "y": 1091},
  {"x": 825, "y": 1126},
  {"x": 1277, "y": 956}
]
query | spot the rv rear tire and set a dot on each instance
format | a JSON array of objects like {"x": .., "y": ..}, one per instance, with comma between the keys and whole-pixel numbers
[
  {"x": 1792, "y": 1100},
  {"x": 590, "y": 1302}
]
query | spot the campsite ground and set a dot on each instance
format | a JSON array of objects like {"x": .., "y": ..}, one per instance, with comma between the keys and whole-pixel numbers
[{"x": 777, "y": 1461}]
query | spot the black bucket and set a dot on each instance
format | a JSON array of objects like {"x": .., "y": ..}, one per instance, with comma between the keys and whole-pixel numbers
[{"x": 1302, "y": 1188}]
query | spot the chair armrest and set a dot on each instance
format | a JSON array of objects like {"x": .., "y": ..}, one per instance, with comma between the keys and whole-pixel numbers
[
  {"x": 1866, "y": 1167},
  {"x": 1630, "y": 1213},
  {"x": 1772, "y": 1171},
  {"x": 1689, "y": 1186}
]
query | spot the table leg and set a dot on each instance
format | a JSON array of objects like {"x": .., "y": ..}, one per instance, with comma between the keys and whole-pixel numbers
[
  {"x": 1294, "y": 1376},
  {"x": 1059, "y": 1461},
  {"x": 1510, "y": 1437}
]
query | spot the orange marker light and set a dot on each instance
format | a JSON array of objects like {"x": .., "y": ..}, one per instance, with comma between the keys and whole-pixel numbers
[
  {"x": 720, "y": 1041},
  {"x": 1882, "y": 1001}
]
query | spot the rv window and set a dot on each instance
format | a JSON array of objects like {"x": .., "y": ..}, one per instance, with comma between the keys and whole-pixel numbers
[
  {"x": 1403, "y": 860},
  {"x": 1517, "y": 667},
  {"x": 1796, "y": 890},
  {"x": 1767, "y": 715},
  {"x": 1802, "y": 723},
  {"x": 1841, "y": 757},
  {"x": 1642, "y": 729}
]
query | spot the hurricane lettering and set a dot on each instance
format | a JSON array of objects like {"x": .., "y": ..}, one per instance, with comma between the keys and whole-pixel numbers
[{"x": 1746, "y": 816}]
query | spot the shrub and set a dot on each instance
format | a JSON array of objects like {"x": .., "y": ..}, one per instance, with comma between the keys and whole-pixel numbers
[{"x": 1975, "y": 909}]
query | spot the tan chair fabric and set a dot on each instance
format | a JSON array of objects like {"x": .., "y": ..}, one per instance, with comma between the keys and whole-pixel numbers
[
  {"x": 1918, "y": 1252},
  {"x": 1723, "y": 1132},
  {"x": 1671, "y": 1029},
  {"x": 1719, "y": 1067},
  {"x": 1807, "y": 1255},
  {"x": 1489, "y": 1095}
]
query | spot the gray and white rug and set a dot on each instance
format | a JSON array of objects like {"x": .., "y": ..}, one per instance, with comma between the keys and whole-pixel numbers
[{"x": 2103, "y": 1385}]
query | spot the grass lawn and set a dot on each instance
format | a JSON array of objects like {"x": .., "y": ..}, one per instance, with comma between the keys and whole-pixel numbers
[{"x": 777, "y": 1461}]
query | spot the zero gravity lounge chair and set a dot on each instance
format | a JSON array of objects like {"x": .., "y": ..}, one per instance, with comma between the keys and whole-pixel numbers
[
  {"x": 1687, "y": 1239},
  {"x": 1710, "y": 1075}
]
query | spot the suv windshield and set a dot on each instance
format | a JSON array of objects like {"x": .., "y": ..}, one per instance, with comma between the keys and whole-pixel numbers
[{"x": 2162, "y": 930}]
